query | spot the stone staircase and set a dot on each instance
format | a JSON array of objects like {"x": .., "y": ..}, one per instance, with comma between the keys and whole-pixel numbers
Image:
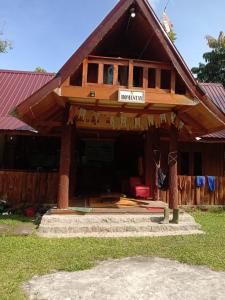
[{"x": 106, "y": 225}]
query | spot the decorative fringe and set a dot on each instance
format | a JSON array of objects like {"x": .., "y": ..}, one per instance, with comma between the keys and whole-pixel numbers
[{"x": 125, "y": 122}]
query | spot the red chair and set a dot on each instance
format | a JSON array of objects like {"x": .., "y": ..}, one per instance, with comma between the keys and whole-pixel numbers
[{"x": 139, "y": 190}]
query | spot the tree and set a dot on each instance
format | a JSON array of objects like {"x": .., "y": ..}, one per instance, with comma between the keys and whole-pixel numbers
[
  {"x": 5, "y": 45},
  {"x": 214, "y": 68},
  {"x": 172, "y": 35},
  {"x": 40, "y": 70}
]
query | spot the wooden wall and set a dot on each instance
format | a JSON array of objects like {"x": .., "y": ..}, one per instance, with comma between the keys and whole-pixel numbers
[
  {"x": 189, "y": 194},
  {"x": 28, "y": 188},
  {"x": 212, "y": 157}
]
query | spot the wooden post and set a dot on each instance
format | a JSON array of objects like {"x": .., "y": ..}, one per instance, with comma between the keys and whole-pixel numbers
[
  {"x": 84, "y": 72},
  {"x": 115, "y": 75},
  {"x": 149, "y": 163},
  {"x": 158, "y": 79},
  {"x": 131, "y": 74},
  {"x": 172, "y": 161},
  {"x": 157, "y": 158},
  {"x": 64, "y": 169},
  {"x": 73, "y": 163},
  {"x": 100, "y": 73}
]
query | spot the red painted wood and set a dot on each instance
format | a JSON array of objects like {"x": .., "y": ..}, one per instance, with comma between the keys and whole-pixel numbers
[
  {"x": 173, "y": 178},
  {"x": 64, "y": 171}
]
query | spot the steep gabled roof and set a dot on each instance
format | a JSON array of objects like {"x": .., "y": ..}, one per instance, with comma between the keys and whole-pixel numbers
[
  {"x": 216, "y": 92},
  {"x": 95, "y": 39},
  {"x": 15, "y": 87}
]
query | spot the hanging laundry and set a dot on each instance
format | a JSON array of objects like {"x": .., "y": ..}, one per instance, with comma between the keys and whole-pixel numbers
[
  {"x": 200, "y": 181},
  {"x": 212, "y": 183},
  {"x": 160, "y": 178}
]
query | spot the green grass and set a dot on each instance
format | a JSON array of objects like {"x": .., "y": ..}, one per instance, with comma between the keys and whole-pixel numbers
[
  {"x": 14, "y": 220},
  {"x": 23, "y": 257}
]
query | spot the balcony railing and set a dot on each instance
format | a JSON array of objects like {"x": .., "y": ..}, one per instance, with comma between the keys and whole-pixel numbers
[{"x": 127, "y": 73}]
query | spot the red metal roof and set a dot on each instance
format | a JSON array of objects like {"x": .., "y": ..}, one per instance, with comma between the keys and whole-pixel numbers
[
  {"x": 15, "y": 87},
  {"x": 216, "y": 93}
]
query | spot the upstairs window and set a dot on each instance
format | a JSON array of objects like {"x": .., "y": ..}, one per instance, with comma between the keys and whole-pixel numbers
[
  {"x": 165, "y": 79},
  {"x": 138, "y": 77},
  {"x": 108, "y": 74},
  {"x": 180, "y": 87},
  {"x": 123, "y": 75},
  {"x": 92, "y": 76},
  {"x": 151, "y": 78}
]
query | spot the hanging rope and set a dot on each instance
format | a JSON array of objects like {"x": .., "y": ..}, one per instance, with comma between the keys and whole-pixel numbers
[{"x": 172, "y": 158}]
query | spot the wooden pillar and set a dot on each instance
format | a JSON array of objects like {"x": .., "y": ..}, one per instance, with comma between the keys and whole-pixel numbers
[
  {"x": 157, "y": 160},
  {"x": 73, "y": 163},
  {"x": 149, "y": 162},
  {"x": 64, "y": 169},
  {"x": 172, "y": 161}
]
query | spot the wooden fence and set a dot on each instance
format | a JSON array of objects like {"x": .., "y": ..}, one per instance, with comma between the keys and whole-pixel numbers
[
  {"x": 33, "y": 188},
  {"x": 189, "y": 194}
]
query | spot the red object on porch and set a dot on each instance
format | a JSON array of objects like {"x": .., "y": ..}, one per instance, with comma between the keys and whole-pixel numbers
[
  {"x": 142, "y": 191},
  {"x": 138, "y": 189}
]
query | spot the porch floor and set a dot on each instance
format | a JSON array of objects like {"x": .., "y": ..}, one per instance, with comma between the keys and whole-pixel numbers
[{"x": 112, "y": 204}]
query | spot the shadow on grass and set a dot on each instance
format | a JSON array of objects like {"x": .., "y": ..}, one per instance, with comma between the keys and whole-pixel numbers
[{"x": 16, "y": 219}]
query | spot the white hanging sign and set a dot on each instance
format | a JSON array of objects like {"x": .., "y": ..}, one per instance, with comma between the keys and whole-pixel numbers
[{"x": 130, "y": 96}]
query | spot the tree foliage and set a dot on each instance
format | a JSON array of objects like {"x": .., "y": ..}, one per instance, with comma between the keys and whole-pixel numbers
[
  {"x": 5, "y": 45},
  {"x": 40, "y": 70},
  {"x": 214, "y": 68},
  {"x": 172, "y": 35}
]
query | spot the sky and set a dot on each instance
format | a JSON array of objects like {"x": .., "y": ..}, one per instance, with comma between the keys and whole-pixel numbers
[{"x": 47, "y": 32}]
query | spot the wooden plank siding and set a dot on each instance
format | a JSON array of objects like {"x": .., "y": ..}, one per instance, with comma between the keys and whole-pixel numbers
[
  {"x": 32, "y": 188},
  {"x": 189, "y": 194},
  {"x": 28, "y": 188}
]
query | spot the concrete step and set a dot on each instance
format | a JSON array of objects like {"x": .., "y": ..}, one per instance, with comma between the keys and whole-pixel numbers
[
  {"x": 75, "y": 220},
  {"x": 114, "y": 225},
  {"x": 141, "y": 227},
  {"x": 119, "y": 234}
]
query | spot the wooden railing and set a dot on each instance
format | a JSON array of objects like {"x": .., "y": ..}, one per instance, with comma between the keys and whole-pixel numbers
[
  {"x": 21, "y": 188},
  {"x": 128, "y": 73},
  {"x": 189, "y": 194}
]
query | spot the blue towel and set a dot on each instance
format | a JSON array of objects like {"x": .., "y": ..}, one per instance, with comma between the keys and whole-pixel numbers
[
  {"x": 212, "y": 183},
  {"x": 200, "y": 181}
]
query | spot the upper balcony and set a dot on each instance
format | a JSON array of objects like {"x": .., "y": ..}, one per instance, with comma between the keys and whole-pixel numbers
[{"x": 102, "y": 78}]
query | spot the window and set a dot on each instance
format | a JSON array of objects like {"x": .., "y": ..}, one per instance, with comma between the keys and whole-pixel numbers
[
  {"x": 138, "y": 77},
  {"x": 108, "y": 74},
  {"x": 92, "y": 76},
  {"x": 123, "y": 75},
  {"x": 180, "y": 87},
  {"x": 197, "y": 163},
  {"x": 184, "y": 163},
  {"x": 76, "y": 79},
  {"x": 165, "y": 79},
  {"x": 151, "y": 78}
]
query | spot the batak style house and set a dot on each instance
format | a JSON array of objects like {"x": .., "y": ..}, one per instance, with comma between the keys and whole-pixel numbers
[{"x": 124, "y": 105}]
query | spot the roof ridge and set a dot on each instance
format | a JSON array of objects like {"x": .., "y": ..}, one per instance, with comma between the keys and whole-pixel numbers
[{"x": 26, "y": 72}]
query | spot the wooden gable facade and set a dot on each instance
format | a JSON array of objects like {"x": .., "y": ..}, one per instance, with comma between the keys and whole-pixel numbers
[{"x": 124, "y": 105}]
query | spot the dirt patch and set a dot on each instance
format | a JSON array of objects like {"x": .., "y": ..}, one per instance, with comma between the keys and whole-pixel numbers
[{"x": 133, "y": 279}]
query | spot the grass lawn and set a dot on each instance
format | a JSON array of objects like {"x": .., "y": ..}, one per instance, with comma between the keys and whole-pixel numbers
[{"x": 23, "y": 257}]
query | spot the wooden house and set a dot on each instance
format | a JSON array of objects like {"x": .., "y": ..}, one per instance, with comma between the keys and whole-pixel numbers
[{"x": 122, "y": 105}]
